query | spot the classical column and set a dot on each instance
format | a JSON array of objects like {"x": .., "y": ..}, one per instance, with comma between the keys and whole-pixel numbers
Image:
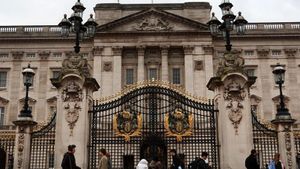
[
  {"x": 22, "y": 149},
  {"x": 231, "y": 86},
  {"x": 75, "y": 89},
  {"x": 164, "y": 64},
  {"x": 97, "y": 52},
  {"x": 42, "y": 85},
  {"x": 188, "y": 67},
  {"x": 117, "y": 69},
  {"x": 208, "y": 66},
  {"x": 141, "y": 64},
  {"x": 14, "y": 88}
]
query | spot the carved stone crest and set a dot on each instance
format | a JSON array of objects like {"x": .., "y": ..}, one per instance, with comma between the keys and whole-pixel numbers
[
  {"x": 75, "y": 63},
  {"x": 230, "y": 63},
  {"x": 107, "y": 66},
  {"x": 127, "y": 124},
  {"x": 234, "y": 94},
  {"x": 153, "y": 23},
  {"x": 72, "y": 92},
  {"x": 72, "y": 114},
  {"x": 178, "y": 124},
  {"x": 72, "y": 96}
]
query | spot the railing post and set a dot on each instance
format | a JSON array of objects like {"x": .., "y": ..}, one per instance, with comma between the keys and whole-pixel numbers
[{"x": 22, "y": 150}]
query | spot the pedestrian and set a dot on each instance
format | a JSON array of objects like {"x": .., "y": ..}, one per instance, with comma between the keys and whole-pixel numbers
[
  {"x": 177, "y": 162},
  {"x": 155, "y": 163},
  {"x": 200, "y": 163},
  {"x": 69, "y": 161},
  {"x": 2, "y": 158},
  {"x": 276, "y": 163},
  {"x": 143, "y": 164},
  {"x": 251, "y": 160},
  {"x": 103, "y": 161},
  {"x": 109, "y": 160},
  {"x": 298, "y": 160}
]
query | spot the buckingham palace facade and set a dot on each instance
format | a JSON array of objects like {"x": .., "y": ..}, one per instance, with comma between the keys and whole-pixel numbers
[{"x": 135, "y": 43}]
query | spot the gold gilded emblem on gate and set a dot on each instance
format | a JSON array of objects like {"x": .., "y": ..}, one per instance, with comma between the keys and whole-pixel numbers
[
  {"x": 127, "y": 124},
  {"x": 178, "y": 124}
]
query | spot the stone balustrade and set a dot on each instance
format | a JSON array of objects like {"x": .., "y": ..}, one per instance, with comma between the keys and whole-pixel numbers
[
  {"x": 30, "y": 29},
  {"x": 55, "y": 29}
]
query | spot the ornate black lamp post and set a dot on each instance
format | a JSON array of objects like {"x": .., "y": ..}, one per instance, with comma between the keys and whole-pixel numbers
[
  {"x": 230, "y": 21},
  {"x": 74, "y": 24},
  {"x": 28, "y": 75},
  {"x": 279, "y": 72}
]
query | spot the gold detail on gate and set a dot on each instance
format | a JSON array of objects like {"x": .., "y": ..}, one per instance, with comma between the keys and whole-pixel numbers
[
  {"x": 178, "y": 124},
  {"x": 127, "y": 124},
  {"x": 153, "y": 83}
]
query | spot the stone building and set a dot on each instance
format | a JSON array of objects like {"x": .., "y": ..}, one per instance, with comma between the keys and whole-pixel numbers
[{"x": 138, "y": 42}]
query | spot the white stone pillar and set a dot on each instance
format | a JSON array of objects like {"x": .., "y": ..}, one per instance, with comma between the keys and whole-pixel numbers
[
  {"x": 231, "y": 86},
  {"x": 117, "y": 69},
  {"x": 234, "y": 119},
  {"x": 75, "y": 89},
  {"x": 286, "y": 140},
  {"x": 164, "y": 64},
  {"x": 188, "y": 67},
  {"x": 141, "y": 64},
  {"x": 22, "y": 149}
]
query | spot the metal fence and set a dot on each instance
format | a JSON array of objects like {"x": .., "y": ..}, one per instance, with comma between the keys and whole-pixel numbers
[
  {"x": 42, "y": 146},
  {"x": 265, "y": 140},
  {"x": 7, "y": 143}
]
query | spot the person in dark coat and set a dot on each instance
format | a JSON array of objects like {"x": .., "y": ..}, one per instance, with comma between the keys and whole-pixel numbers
[
  {"x": 68, "y": 161},
  {"x": 251, "y": 161},
  {"x": 177, "y": 162},
  {"x": 200, "y": 163},
  {"x": 2, "y": 158}
]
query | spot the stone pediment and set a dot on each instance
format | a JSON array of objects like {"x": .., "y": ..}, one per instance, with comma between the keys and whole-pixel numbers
[{"x": 153, "y": 20}]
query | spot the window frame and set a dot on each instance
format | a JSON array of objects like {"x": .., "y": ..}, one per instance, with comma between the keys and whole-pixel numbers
[{"x": 6, "y": 79}]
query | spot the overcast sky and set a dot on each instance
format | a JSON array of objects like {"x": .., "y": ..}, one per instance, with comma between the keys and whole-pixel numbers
[{"x": 50, "y": 12}]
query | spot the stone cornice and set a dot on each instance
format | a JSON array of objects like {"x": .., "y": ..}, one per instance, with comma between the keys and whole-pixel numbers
[{"x": 166, "y": 6}]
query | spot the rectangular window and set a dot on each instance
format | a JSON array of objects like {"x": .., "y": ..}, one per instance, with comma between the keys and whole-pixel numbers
[
  {"x": 176, "y": 75},
  {"x": 129, "y": 76},
  {"x": 276, "y": 52},
  {"x": 30, "y": 55},
  {"x": 3, "y": 55},
  {"x": 249, "y": 52},
  {"x": 250, "y": 72},
  {"x": 152, "y": 74},
  {"x": 1, "y": 116},
  {"x": 3, "y": 77},
  {"x": 57, "y": 55},
  {"x": 55, "y": 73}
]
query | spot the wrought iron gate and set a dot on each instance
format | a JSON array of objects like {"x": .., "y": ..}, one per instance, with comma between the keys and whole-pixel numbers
[
  {"x": 161, "y": 117},
  {"x": 7, "y": 144},
  {"x": 42, "y": 146},
  {"x": 265, "y": 140}
]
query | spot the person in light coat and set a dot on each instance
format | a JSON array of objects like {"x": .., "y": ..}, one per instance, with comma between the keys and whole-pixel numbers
[
  {"x": 103, "y": 162},
  {"x": 143, "y": 164}
]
